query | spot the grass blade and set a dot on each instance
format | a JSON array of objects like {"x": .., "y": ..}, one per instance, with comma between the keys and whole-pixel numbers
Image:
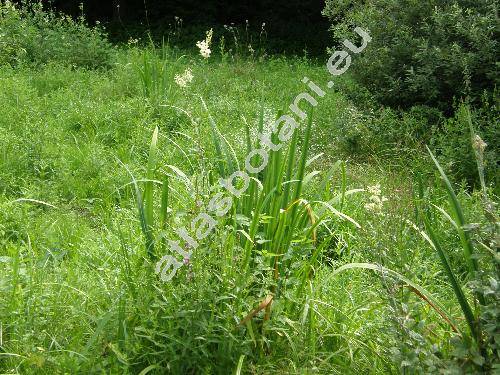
[
  {"x": 240, "y": 365},
  {"x": 164, "y": 202},
  {"x": 149, "y": 186},
  {"x": 459, "y": 218}
]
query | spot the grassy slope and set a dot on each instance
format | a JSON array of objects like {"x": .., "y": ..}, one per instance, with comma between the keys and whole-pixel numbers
[{"x": 75, "y": 291}]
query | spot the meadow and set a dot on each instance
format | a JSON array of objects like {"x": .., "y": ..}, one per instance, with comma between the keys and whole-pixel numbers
[{"x": 354, "y": 251}]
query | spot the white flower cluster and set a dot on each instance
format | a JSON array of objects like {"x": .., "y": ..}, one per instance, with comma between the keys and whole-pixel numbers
[
  {"x": 184, "y": 79},
  {"x": 478, "y": 144},
  {"x": 376, "y": 199},
  {"x": 132, "y": 41},
  {"x": 204, "y": 45}
]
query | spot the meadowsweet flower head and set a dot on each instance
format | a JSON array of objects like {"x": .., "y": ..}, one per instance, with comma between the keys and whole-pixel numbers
[
  {"x": 184, "y": 79},
  {"x": 376, "y": 200},
  {"x": 374, "y": 190},
  {"x": 204, "y": 45},
  {"x": 478, "y": 144},
  {"x": 132, "y": 41}
]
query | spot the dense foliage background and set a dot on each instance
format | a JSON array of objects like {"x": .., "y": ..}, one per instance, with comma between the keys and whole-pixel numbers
[
  {"x": 424, "y": 52},
  {"x": 294, "y": 24},
  {"x": 425, "y": 59}
]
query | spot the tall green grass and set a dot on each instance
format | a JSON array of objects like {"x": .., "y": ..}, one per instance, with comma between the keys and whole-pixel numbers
[
  {"x": 274, "y": 223},
  {"x": 156, "y": 69}
]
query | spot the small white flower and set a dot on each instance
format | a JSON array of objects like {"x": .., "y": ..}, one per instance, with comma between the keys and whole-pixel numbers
[
  {"x": 374, "y": 190},
  {"x": 204, "y": 49},
  {"x": 204, "y": 45},
  {"x": 376, "y": 199},
  {"x": 184, "y": 79},
  {"x": 478, "y": 144}
]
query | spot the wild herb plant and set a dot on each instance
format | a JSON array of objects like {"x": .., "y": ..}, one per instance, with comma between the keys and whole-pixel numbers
[{"x": 277, "y": 221}]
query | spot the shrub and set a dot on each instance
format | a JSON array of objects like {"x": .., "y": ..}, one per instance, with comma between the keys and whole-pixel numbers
[
  {"x": 422, "y": 52},
  {"x": 33, "y": 35}
]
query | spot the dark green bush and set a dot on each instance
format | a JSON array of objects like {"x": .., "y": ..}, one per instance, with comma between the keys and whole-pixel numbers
[
  {"x": 422, "y": 52},
  {"x": 30, "y": 34}
]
